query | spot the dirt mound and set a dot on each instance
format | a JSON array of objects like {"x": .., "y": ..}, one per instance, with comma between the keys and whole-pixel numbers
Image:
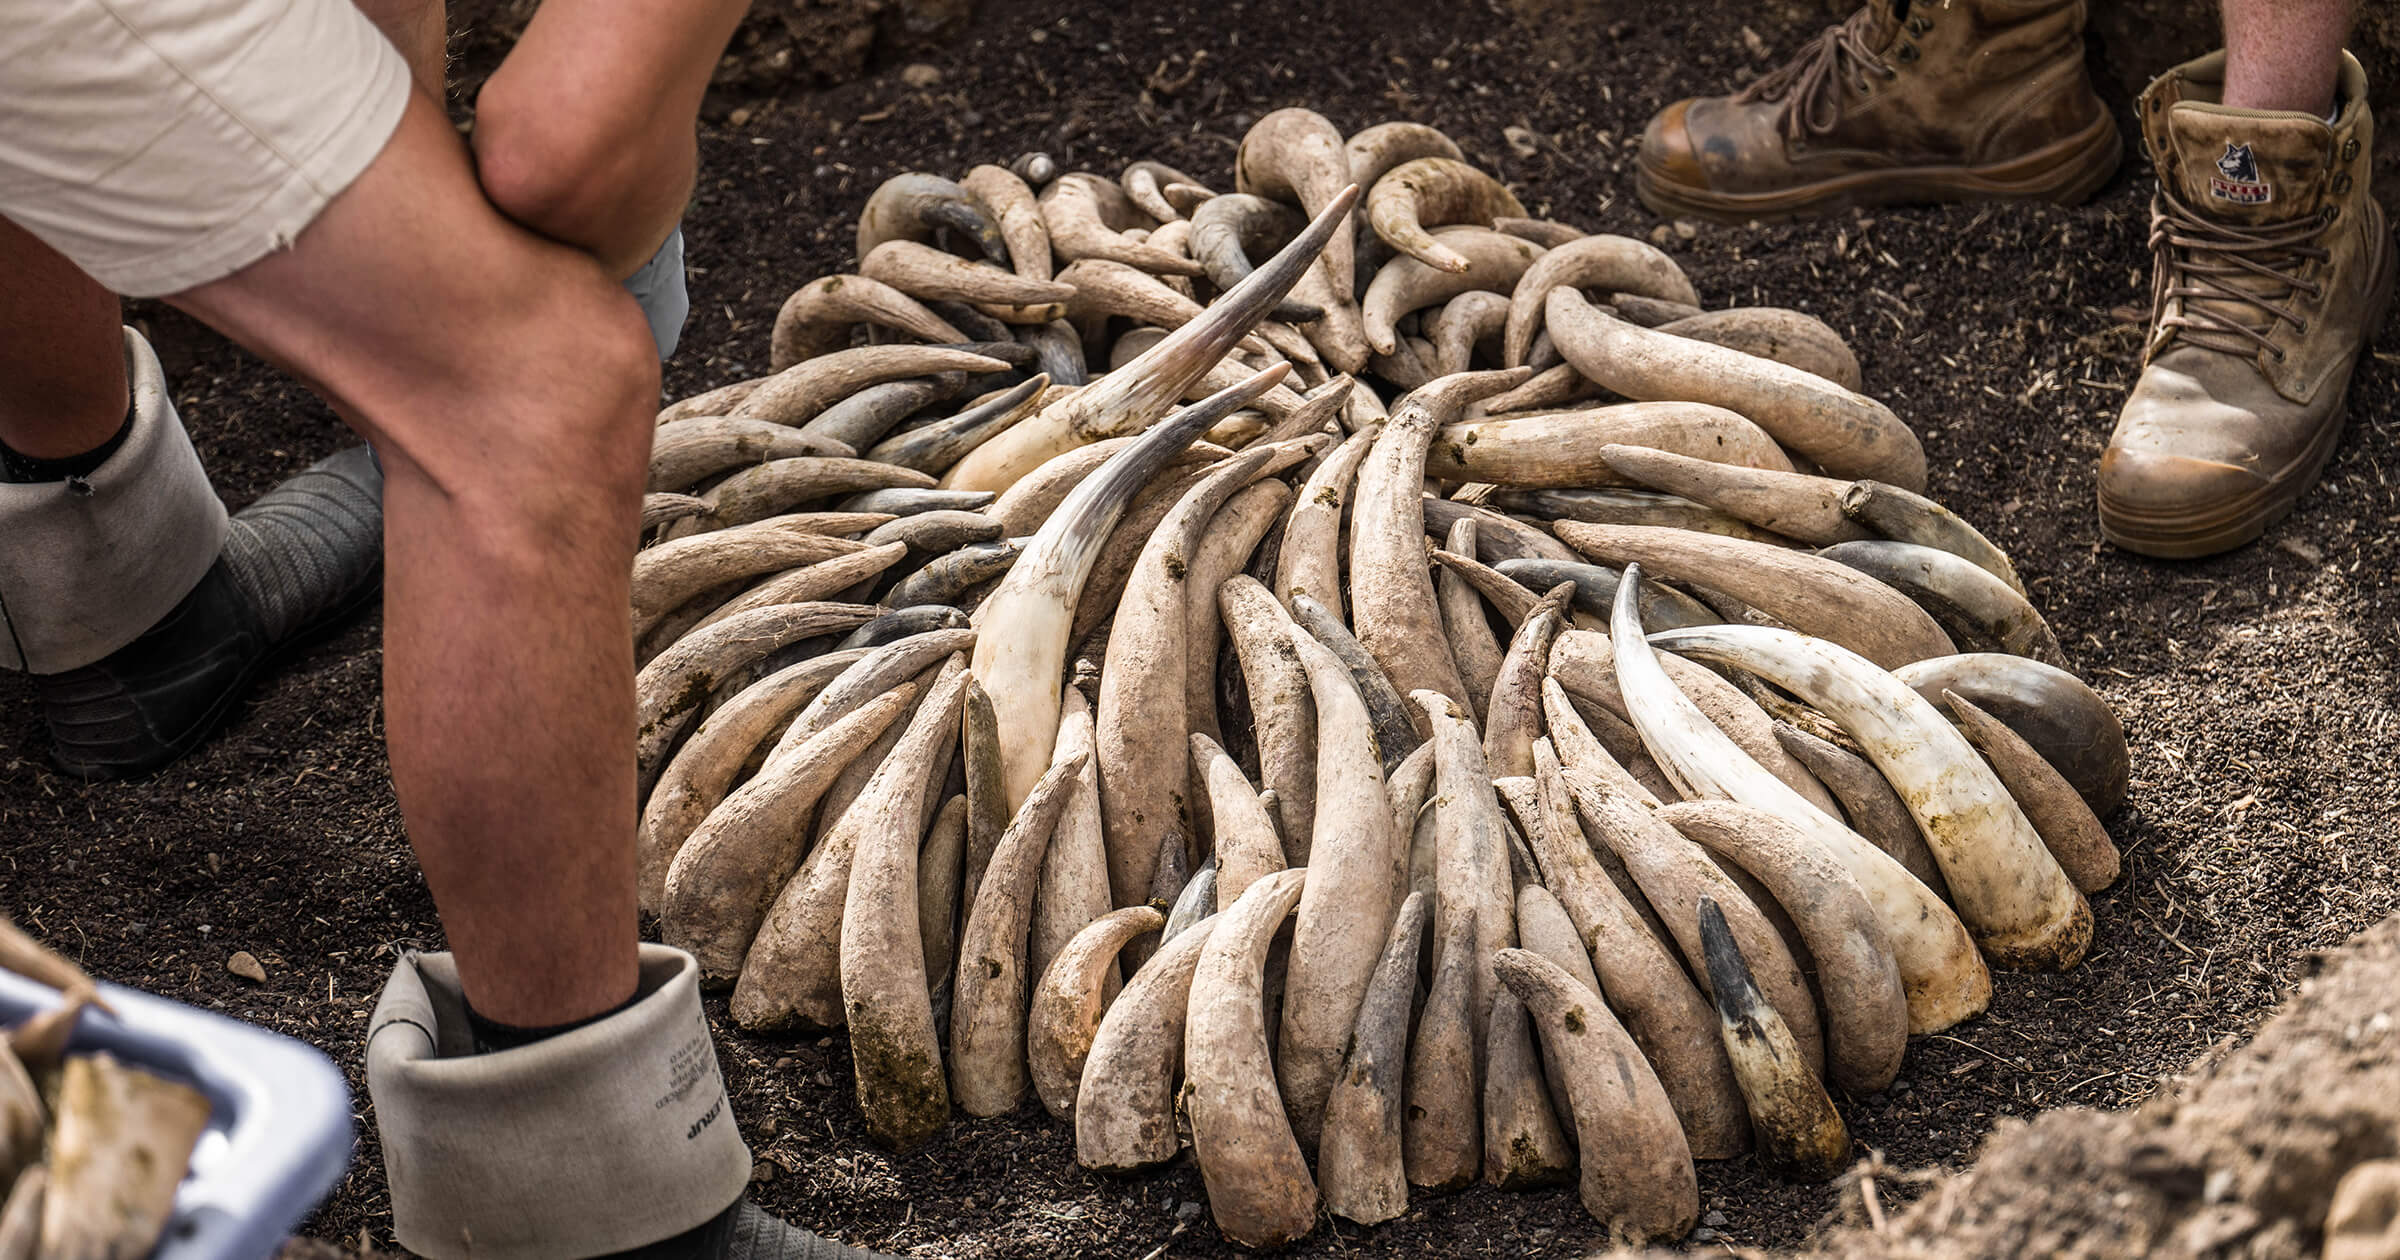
[{"x": 2239, "y": 1160}]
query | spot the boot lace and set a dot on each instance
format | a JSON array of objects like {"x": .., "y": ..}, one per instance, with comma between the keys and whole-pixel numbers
[
  {"x": 2205, "y": 264},
  {"x": 1839, "y": 56}
]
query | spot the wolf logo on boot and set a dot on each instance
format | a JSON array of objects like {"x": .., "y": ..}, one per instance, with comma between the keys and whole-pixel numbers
[{"x": 2237, "y": 177}]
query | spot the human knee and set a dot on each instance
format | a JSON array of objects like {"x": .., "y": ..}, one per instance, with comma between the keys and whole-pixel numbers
[
  {"x": 561, "y": 445},
  {"x": 609, "y": 368}
]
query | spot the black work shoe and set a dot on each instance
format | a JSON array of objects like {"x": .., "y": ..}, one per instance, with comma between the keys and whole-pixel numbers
[
  {"x": 307, "y": 554},
  {"x": 743, "y": 1232}
]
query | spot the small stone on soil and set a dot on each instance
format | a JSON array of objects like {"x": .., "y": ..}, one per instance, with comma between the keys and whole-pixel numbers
[{"x": 245, "y": 964}]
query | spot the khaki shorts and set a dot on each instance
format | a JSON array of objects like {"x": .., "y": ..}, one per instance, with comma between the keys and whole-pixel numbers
[{"x": 163, "y": 144}]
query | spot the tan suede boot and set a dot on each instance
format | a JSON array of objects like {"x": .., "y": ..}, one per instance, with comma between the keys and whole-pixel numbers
[
  {"x": 1908, "y": 100},
  {"x": 2272, "y": 267}
]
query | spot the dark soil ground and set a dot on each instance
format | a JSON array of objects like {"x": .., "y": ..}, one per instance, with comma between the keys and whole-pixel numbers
[{"x": 2256, "y": 687}]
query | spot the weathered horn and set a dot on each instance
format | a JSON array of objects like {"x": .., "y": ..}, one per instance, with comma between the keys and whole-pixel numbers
[
  {"x": 1057, "y": 351},
  {"x": 1259, "y": 1188},
  {"x": 1812, "y": 594},
  {"x": 1463, "y": 323},
  {"x": 1793, "y": 504},
  {"x": 1846, "y": 434},
  {"x": 686, "y": 452},
  {"x": 1564, "y": 449},
  {"x": 817, "y": 318},
  {"x": 1493, "y": 260},
  {"x": 703, "y": 769},
  {"x": 1383, "y": 146},
  {"x": 797, "y": 394},
  {"x": 1128, "y": 399},
  {"x": 1396, "y": 733},
  {"x": 1793, "y": 338},
  {"x": 1227, "y": 230},
  {"x": 894, "y": 1050},
  {"x": 1615, "y": 506},
  {"x": 1084, "y": 214},
  {"x": 1391, "y": 592},
  {"x": 1945, "y": 977},
  {"x": 1543, "y": 232},
  {"x": 1068, "y": 1002},
  {"x": 1971, "y": 602},
  {"x": 2022, "y": 908},
  {"x": 1596, "y": 591},
  {"x": 1637, "y": 1175},
  {"x": 716, "y": 892},
  {"x": 932, "y": 448},
  {"x": 923, "y": 272},
  {"x": 1641, "y": 975},
  {"x": 1868, "y": 802},
  {"x": 1146, "y": 184},
  {"x": 1799, "y": 1132},
  {"x": 914, "y": 206},
  {"x": 2067, "y": 825},
  {"x": 2064, "y": 719},
  {"x": 987, "y": 1023},
  {"x": 1296, "y": 155},
  {"x": 1020, "y": 216},
  {"x": 1104, "y": 288},
  {"x": 1140, "y": 708},
  {"x": 1866, "y": 1012},
  {"x": 1358, "y": 1157},
  {"x": 944, "y": 579},
  {"x": 1027, "y": 619},
  {"x": 1910, "y": 517},
  {"x": 1339, "y": 928},
  {"x": 1309, "y": 562},
  {"x": 1125, "y": 1104},
  {"x": 1435, "y": 192},
  {"x": 1617, "y": 264}
]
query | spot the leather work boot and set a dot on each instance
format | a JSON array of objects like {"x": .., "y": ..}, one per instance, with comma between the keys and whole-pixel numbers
[
  {"x": 1907, "y": 101},
  {"x": 2272, "y": 266}
]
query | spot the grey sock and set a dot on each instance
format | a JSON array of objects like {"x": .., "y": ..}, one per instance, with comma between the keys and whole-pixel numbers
[{"x": 659, "y": 287}]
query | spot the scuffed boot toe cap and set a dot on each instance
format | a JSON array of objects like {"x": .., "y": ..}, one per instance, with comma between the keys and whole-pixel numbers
[
  {"x": 2178, "y": 507},
  {"x": 1668, "y": 152}
]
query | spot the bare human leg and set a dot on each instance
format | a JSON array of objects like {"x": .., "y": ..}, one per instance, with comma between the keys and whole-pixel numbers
[
  {"x": 60, "y": 353},
  {"x": 2285, "y": 54},
  {"x": 612, "y": 174},
  {"x": 420, "y": 29},
  {"x": 508, "y": 386}
]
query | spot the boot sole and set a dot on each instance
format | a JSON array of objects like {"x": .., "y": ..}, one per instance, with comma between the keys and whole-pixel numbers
[
  {"x": 2067, "y": 173},
  {"x": 2240, "y": 520}
]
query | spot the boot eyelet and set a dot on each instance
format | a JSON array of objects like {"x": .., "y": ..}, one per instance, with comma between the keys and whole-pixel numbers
[
  {"x": 1905, "y": 53},
  {"x": 2156, "y": 104},
  {"x": 2350, "y": 149},
  {"x": 2341, "y": 183},
  {"x": 1919, "y": 25}
]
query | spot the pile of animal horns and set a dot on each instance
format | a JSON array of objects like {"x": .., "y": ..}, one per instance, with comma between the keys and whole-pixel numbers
[{"x": 1440, "y": 706}]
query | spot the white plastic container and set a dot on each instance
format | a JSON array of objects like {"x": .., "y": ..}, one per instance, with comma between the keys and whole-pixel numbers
[{"x": 279, "y": 1135}]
